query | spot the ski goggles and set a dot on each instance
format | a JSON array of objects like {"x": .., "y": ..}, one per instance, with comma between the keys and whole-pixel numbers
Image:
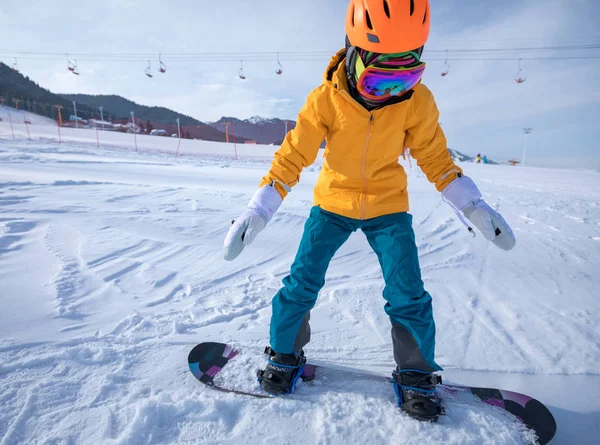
[{"x": 387, "y": 76}]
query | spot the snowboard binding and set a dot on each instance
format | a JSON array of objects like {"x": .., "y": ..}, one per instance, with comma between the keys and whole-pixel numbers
[
  {"x": 416, "y": 394},
  {"x": 282, "y": 372}
]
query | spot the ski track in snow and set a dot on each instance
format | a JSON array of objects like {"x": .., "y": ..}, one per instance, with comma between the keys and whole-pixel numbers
[{"x": 111, "y": 270}]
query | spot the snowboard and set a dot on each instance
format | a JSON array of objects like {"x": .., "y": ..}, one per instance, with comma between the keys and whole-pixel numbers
[{"x": 207, "y": 360}]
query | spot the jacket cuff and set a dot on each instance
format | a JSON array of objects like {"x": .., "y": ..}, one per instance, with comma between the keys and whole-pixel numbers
[
  {"x": 462, "y": 192},
  {"x": 266, "y": 201}
]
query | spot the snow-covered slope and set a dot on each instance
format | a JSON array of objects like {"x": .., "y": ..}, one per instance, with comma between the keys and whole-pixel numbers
[
  {"x": 110, "y": 271},
  {"x": 18, "y": 117}
]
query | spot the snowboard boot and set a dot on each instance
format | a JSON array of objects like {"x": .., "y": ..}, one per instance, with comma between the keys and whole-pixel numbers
[
  {"x": 282, "y": 372},
  {"x": 416, "y": 394}
]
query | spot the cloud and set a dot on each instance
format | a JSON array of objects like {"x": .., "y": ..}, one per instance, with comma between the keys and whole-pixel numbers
[{"x": 481, "y": 97}]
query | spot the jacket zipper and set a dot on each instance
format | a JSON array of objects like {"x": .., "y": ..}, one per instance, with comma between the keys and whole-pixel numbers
[{"x": 364, "y": 167}]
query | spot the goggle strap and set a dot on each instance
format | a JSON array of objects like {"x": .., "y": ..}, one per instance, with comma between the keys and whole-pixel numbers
[
  {"x": 368, "y": 57},
  {"x": 406, "y": 55}
]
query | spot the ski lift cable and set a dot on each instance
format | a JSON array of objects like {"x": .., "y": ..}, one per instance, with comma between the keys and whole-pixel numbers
[
  {"x": 588, "y": 46},
  {"x": 595, "y": 45},
  {"x": 320, "y": 59}
]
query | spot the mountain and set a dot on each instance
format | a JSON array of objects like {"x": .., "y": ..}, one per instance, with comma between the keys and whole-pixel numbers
[
  {"x": 460, "y": 157},
  {"x": 122, "y": 107},
  {"x": 259, "y": 129},
  {"x": 34, "y": 98},
  {"x": 159, "y": 117}
]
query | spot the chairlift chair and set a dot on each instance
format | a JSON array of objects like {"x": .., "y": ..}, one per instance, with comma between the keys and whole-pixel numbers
[
  {"x": 446, "y": 66},
  {"x": 162, "y": 68},
  {"x": 72, "y": 66},
  {"x": 518, "y": 77},
  {"x": 279, "y": 71},
  {"x": 148, "y": 70},
  {"x": 241, "y": 73}
]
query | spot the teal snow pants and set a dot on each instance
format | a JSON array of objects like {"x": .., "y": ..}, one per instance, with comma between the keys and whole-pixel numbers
[{"x": 407, "y": 303}]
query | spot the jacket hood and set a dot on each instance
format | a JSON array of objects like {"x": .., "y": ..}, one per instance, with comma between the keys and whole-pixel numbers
[{"x": 336, "y": 71}]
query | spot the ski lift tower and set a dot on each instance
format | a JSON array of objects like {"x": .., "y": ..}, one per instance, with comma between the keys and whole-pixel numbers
[
  {"x": 527, "y": 132},
  {"x": 76, "y": 118},
  {"x": 101, "y": 117}
]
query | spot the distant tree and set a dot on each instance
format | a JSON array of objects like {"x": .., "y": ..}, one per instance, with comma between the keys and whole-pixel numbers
[
  {"x": 149, "y": 126},
  {"x": 142, "y": 127}
]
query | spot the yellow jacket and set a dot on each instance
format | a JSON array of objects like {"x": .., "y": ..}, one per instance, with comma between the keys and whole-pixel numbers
[{"x": 361, "y": 177}]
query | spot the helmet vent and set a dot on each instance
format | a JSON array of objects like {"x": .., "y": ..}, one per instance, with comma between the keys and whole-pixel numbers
[
  {"x": 412, "y": 7},
  {"x": 426, "y": 12},
  {"x": 386, "y": 8},
  {"x": 352, "y": 15},
  {"x": 369, "y": 24}
]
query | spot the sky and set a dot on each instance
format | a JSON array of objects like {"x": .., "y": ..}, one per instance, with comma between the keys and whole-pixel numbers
[{"x": 483, "y": 110}]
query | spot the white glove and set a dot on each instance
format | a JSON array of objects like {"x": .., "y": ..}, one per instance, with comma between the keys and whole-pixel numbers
[
  {"x": 464, "y": 195},
  {"x": 260, "y": 210}
]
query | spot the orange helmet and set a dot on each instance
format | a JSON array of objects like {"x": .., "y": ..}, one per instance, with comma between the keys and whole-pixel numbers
[{"x": 388, "y": 26}]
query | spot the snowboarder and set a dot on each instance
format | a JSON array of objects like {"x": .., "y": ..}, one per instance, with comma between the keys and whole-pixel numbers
[
  {"x": 370, "y": 106},
  {"x": 485, "y": 160}
]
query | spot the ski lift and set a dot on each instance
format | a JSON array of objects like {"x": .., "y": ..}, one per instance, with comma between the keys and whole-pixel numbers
[
  {"x": 72, "y": 66},
  {"x": 279, "y": 71},
  {"x": 15, "y": 66},
  {"x": 446, "y": 66},
  {"x": 162, "y": 68},
  {"x": 149, "y": 70},
  {"x": 241, "y": 73},
  {"x": 518, "y": 77}
]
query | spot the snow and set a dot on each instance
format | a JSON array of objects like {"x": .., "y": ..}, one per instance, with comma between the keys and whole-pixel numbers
[
  {"x": 18, "y": 117},
  {"x": 258, "y": 120},
  {"x": 333, "y": 397},
  {"x": 45, "y": 129},
  {"x": 111, "y": 271}
]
